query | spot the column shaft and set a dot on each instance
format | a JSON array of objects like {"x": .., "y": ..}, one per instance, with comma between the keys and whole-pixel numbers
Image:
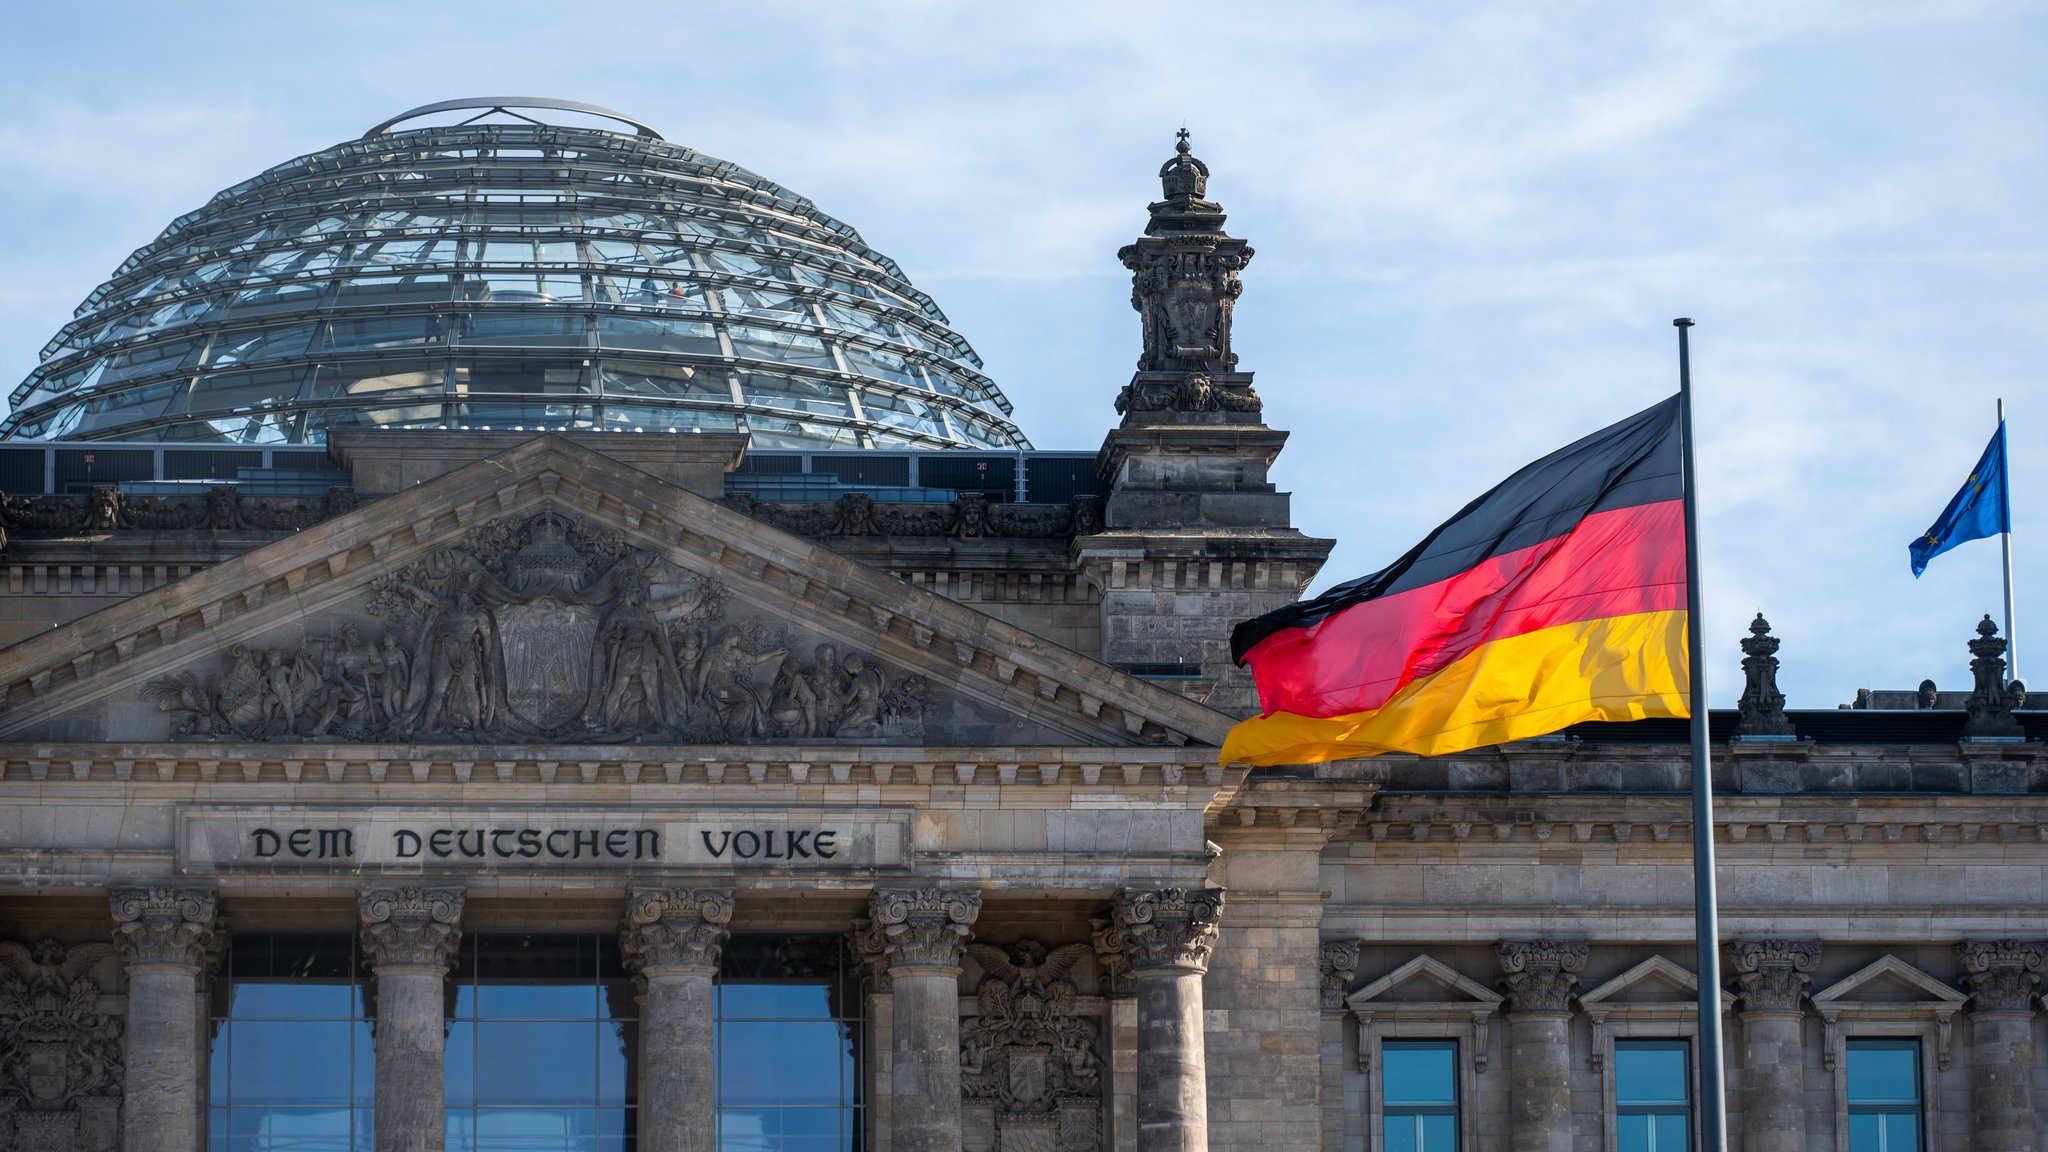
[
  {"x": 1173, "y": 1090},
  {"x": 409, "y": 937},
  {"x": 2001, "y": 1081},
  {"x": 411, "y": 1041},
  {"x": 672, "y": 938},
  {"x": 167, "y": 935},
  {"x": 1539, "y": 1082},
  {"x": 1773, "y": 1082},
  {"x": 921, "y": 933},
  {"x": 1164, "y": 937}
]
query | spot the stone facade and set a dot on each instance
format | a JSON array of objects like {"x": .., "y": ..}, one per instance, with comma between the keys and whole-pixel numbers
[{"x": 517, "y": 685}]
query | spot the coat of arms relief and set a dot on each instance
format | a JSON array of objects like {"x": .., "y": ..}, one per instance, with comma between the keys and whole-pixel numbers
[
  {"x": 60, "y": 1056},
  {"x": 543, "y": 629}
]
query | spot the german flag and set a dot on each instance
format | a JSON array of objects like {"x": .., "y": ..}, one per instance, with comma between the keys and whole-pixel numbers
[{"x": 1559, "y": 596}]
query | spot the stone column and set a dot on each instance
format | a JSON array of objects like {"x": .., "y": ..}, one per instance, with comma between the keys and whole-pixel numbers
[
  {"x": 1540, "y": 976},
  {"x": 409, "y": 937},
  {"x": 166, "y": 934},
  {"x": 1165, "y": 936},
  {"x": 2003, "y": 977},
  {"x": 1339, "y": 962},
  {"x": 922, "y": 932},
  {"x": 1773, "y": 976},
  {"x": 671, "y": 939}
]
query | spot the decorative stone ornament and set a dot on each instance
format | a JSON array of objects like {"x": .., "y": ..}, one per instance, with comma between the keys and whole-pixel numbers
[
  {"x": 1991, "y": 699},
  {"x": 675, "y": 928},
  {"x": 2003, "y": 975},
  {"x": 1761, "y": 710},
  {"x": 1166, "y": 927},
  {"x": 1773, "y": 975},
  {"x": 1340, "y": 967},
  {"x": 1540, "y": 973},
  {"x": 61, "y": 1059},
  {"x": 166, "y": 925},
  {"x": 1029, "y": 1056},
  {"x": 411, "y": 927},
  {"x": 923, "y": 927}
]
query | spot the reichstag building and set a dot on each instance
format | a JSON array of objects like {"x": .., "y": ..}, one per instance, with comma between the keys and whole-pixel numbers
[{"x": 524, "y": 637}]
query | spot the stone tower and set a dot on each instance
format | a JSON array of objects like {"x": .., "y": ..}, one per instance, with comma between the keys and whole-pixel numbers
[{"x": 1196, "y": 538}]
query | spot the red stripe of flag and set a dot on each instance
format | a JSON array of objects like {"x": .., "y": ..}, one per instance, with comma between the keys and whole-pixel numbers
[{"x": 1611, "y": 563}]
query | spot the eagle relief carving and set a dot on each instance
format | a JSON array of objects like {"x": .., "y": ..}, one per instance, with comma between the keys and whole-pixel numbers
[
  {"x": 541, "y": 629},
  {"x": 1028, "y": 1054},
  {"x": 60, "y": 1056}
]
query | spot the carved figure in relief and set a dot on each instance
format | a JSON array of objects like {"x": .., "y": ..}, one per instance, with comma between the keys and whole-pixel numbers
[
  {"x": 740, "y": 704},
  {"x": 342, "y": 673},
  {"x": 1028, "y": 1050},
  {"x": 389, "y": 680},
  {"x": 60, "y": 1056},
  {"x": 456, "y": 652},
  {"x": 634, "y": 676},
  {"x": 862, "y": 713},
  {"x": 809, "y": 699}
]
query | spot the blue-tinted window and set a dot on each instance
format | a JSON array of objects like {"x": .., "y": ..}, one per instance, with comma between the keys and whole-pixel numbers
[
  {"x": 1652, "y": 1096},
  {"x": 1884, "y": 1095},
  {"x": 789, "y": 1032},
  {"x": 1419, "y": 1095},
  {"x": 540, "y": 1051},
  {"x": 294, "y": 1065}
]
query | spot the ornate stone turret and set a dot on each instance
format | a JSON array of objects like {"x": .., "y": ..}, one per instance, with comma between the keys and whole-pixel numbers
[
  {"x": 1761, "y": 711},
  {"x": 1196, "y": 539},
  {"x": 1991, "y": 699},
  {"x": 1184, "y": 285}
]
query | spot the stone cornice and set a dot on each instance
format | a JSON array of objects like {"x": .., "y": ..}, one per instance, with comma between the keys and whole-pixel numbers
[
  {"x": 675, "y": 929},
  {"x": 410, "y": 927},
  {"x": 1109, "y": 770},
  {"x": 921, "y": 928},
  {"x": 166, "y": 925}
]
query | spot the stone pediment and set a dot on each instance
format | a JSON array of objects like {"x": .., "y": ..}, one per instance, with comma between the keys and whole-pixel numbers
[
  {"x": 1656, "y": 982},
  {"x": 550, "y": 594},
  {"x": 1888, "y": 981}
]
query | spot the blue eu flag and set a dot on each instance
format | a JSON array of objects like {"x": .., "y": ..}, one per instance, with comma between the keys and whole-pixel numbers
[{"x": 1981, "y": 509}]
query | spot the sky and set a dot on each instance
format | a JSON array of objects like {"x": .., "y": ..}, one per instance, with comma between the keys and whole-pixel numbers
[{"x": 1474, "y": 223}]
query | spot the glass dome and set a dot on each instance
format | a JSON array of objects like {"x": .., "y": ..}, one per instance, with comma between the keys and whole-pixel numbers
[{"x": 503, "y": 272}]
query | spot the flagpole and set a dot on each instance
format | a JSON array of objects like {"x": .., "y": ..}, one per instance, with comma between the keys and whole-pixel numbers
[
  {"x": 1713, "y": 1097},
  {"x": 2012, "y": 647}
]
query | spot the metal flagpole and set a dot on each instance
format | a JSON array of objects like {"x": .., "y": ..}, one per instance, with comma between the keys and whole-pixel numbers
[
  {"x": 1713, "y": 1097},
  {"x": 2012, "y": 645}
]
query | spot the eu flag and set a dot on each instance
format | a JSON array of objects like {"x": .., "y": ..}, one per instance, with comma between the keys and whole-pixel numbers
[{"x": 1980, "y": 509}]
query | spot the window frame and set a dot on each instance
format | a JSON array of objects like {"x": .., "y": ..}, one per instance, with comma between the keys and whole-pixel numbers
[
  {"x": 1848, "y": 1108},
  {"x": 1460, "y": 1091},
  {"x": 1463, "y": 1014},
  {"x": 1930, "y": 1021},
  {"x": 1615, "y": 1020},
  {"x": 1690, "y": 1109}
]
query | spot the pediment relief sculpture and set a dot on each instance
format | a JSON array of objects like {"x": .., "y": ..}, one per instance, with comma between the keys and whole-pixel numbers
[{"x": 541, "y": 629}]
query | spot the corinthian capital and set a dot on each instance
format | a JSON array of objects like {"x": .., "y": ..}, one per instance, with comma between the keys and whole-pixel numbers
[
  {"x": 1773, "y": 974},
  {"x": 1340, "y": 966},
  {"x": 2003, "y": 975},
  {"x": 1159, "y": 928},
  {"x": 172, "y": 925},
  {"x": 674, "y": 928},
  {"x": 1540, "y": 973},
  {"x": 411, "y": 927},
  {"x": 923, "y": 927}
]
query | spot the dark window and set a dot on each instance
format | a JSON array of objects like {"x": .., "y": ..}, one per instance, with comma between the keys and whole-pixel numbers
[
  {"x": 1652, "y": 1096},
  {"x": 294, "y": 1066},
  {"x": 1419, "y": 1095},
  {"x": 1884, "y": 1095}
]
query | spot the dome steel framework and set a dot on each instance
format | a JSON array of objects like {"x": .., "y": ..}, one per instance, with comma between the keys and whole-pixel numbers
[{"x": 507, "y": 273}]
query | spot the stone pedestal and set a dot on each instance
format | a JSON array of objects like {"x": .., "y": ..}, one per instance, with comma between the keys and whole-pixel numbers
[
  {"x": 409, "y": 938},
  {"x": 1165, "y": 936},
  {"x": 1773, "y": 976},
  {"x": 167, "y": 935},
  {"x": 1540, "y": 976},
  {"x": 921, "y": 933},
  {"x": 671, "y": 940},
  {"x": 2003, "y": 977}
]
